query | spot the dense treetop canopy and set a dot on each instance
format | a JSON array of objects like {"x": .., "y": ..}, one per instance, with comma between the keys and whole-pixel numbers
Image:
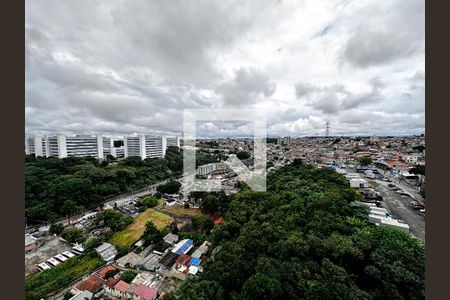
[{"x": 304, "y": 240}]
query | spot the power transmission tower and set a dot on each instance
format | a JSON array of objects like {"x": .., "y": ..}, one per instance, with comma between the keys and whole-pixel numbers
[{"x": 327, "y": 129}]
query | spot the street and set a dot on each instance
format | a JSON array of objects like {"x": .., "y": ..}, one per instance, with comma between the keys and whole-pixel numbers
[{"x": 400, "y": 206}]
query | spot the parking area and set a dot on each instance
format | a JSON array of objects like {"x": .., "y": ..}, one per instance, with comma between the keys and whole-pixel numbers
[
  {"x": 51, "y": 247},
  {"x": 400, "y": 205}
]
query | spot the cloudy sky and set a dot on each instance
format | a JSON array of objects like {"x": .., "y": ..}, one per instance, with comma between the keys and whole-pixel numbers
[{"x": 122, "y": 67}]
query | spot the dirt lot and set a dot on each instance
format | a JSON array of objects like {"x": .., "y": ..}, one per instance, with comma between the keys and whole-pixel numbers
[
  {"x": 51, "y": 247},
  {"x": 180, "y": 210},
  {"x": 134, "y": 231}
]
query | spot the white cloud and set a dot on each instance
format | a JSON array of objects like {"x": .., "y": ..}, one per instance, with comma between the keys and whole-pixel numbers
[{"x": 133, "y": 66}]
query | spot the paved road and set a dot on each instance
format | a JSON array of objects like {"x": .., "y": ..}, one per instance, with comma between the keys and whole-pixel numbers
[
  {"x": 404, "y": 185},
  {"x": 129, "y": 197},
  {"x": 400, "y": 207}
]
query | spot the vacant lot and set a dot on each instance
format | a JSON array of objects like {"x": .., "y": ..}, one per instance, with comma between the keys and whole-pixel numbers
[
  {"x": 134, "y": 231},
  {"x": 180, "y": 210},
  {"x": 51, "y": 247}
]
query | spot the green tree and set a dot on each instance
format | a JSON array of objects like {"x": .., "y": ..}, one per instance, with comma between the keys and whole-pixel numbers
[
  {"x": 128, "y": 276},
  {"x": 209, "y": 204},
  {"x": 365, "y": 160},
  {"x": 202, "y": 223},
  {"x": 418, "y": 169},
  {"x": 149, "y": 201},
  {"x": 74, "y": 235},
  {"x": 92, "y": 243},
  {"x": 194, "y": 289},
  {"x": 260, "y": 286},
  {"x": 115, "y": 220},
  {"x": 56, "y": 228},
  {"x": 152, "y": 235},
  {"x": 304, "y": 239},
  {"x": 243, "y": 155},
  {"x": 171, "y": 187},
  {"x": 69, "y": 207}
]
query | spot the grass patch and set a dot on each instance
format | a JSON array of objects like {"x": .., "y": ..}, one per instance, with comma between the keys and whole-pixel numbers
[
  {"x": 46, "y": 282},
  {"x": 133, "y": 232},
  {"x": 180, "y": 210}
]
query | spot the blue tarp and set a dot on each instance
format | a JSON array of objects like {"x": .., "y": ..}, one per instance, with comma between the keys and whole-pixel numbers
[
  {"x": 184, "y": 247},
  {"x": 195, "y": 262}
]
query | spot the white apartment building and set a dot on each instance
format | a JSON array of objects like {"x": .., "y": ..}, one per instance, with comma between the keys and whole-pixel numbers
[
  {"x": 118, "y": 152},
  {"x": 35, "y": 145},
  {"x": 65, "y": 146},
  {"x": 145, "y": 146},
  {"x": 75, "y": 146},
  {"x": 207, "y": 169},
  {"x": 173, "y": 141},
  {"x": 107, "y": 146}
]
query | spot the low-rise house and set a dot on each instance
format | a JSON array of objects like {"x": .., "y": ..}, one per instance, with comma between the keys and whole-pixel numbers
[
  {"x": 171, "y": 238},
  {"x": 117, "y": 288},
  {"x": 183, "y": 247},
  {"x": 130, "y": 260},
  {"x": 106, "y": 251},
  {"x": 143, "y": 292},
  {"x": 107, "y": 272},
  {"x": 203, "y": 249},
  {"x": 358, "y": 183},
  {"x": 93, "y": 284},
  {"x": 30, "y": 243},
  {"x": 151, "y": 263},
  {"x": 82, "y": 295}
]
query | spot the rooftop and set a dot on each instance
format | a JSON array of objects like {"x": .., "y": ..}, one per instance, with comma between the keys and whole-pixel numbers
[
  {"x": 122, "y": 286},
  {"x": 93, "y": 284},
  {"x": 145, "y": 292},
  {"x": 108, "y": 269}
]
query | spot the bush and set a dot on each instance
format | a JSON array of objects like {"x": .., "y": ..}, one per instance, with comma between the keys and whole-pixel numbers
[
  {"x": 56, "y": 228},
  {"x": 243, "y": 155},
  {"x": 149, "y": 201},
  {"x": 171, "y": 187},
  {"x": 74, "y": 235},
  {"x": 92, "y": 243},
  {"x": 128, "y": 276}
]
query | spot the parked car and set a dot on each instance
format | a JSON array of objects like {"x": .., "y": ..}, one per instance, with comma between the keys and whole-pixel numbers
[{"x": 417, "y": 205}]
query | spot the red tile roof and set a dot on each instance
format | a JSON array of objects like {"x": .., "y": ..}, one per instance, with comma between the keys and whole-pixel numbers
[
  {"x": 144, "y": 292},
  {"x": 184, "y": 259},
  {"x": 111, "y": 282},
  {"x": 93, "y": 284},
  {"x": 108, "y": 269},
  {"x": 122, "y": 286}
]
